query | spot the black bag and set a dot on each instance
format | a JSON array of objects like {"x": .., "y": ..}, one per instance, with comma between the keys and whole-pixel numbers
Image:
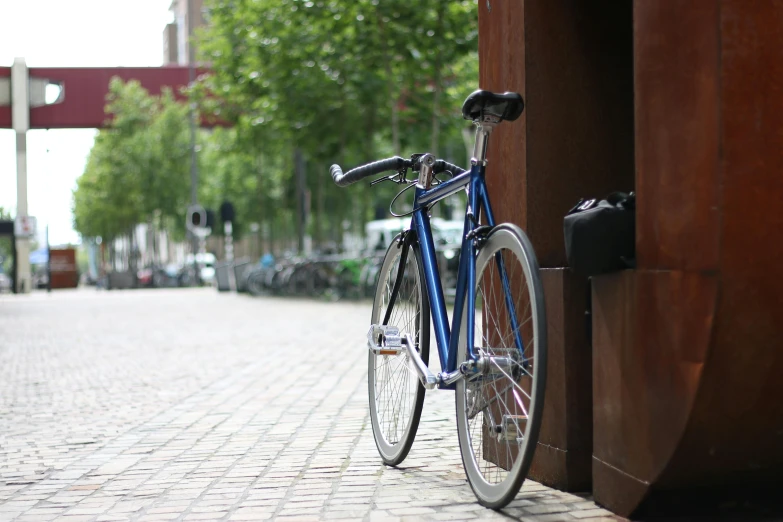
[{"x": 600, "y": 235}]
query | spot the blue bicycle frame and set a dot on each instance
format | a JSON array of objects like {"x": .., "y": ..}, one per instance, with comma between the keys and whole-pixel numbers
[{"x": 478, "y": 201}]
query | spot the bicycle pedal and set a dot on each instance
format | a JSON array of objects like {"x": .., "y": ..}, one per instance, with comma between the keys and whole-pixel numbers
[
  {"x": 512, "y": 428},
  {"x": 384, "y": 340}
]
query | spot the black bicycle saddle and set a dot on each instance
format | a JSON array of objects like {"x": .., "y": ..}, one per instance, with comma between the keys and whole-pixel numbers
[{"x": 505, "y": 106}]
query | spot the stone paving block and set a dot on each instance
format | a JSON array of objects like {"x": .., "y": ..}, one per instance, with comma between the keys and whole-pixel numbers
[
  {"x": 546, "y": 508},
  {"x": 411, "y": 511},
  {"x": 591, "y": 513},
  {"x": 160, "y": 516},
  {"x": 254, "y": 515},
  {"x": 132, "y": 406}
]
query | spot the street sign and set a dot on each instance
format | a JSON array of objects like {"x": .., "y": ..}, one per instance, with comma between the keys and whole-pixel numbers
[
  {"x": 196, "y": 218},
  {"x": 25, "y": 226}
]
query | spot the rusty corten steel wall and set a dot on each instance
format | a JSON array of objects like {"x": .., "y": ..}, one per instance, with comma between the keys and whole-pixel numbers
[
  {"x": 688, "y": 351},
  {"x": 502, "y": 68},
  {"x": 573, "y": 64}
]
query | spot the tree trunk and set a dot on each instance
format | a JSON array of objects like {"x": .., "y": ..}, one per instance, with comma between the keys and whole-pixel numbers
[
  {"x": 393, "y": 97},
  {"x": 301, "y": 220},
  {"x": 437, "y": 86},
  {"x": 319, "y": 219},
  {"x": 368, "y": 200}
]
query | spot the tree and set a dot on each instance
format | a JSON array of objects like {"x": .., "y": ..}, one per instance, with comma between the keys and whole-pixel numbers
[
  {"x": 137, "y": 171},
  {"x": 334, "y": 82}
]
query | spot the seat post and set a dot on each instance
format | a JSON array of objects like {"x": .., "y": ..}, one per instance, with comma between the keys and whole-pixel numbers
[{"x": 482, "y": 137}]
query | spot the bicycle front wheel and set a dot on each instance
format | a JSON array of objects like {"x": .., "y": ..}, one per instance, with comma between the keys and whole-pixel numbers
[
  {"x": 396, "y": 395},
  {"x": 500, "y": 402}
]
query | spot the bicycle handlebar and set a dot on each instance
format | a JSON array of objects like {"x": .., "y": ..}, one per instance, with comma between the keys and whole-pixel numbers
[
  {"x": 445, "y": 166},
  {"x": 392, "y": 164},
  {"x": 377, "y": 167}
]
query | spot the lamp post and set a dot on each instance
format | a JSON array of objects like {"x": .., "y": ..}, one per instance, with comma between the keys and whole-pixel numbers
[{"x": 195, "y": 240}]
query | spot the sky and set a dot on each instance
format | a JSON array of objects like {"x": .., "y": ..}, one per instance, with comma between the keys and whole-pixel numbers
[{"x": 69, "y": 33}]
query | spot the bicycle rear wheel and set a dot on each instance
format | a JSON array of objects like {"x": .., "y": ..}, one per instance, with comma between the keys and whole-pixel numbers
[
  {"x": 500, "y": 404},
  {"x": 396, "y": 395}
]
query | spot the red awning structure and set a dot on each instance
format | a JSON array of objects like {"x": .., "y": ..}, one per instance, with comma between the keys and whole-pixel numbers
[{"x": 84, "y": 92}]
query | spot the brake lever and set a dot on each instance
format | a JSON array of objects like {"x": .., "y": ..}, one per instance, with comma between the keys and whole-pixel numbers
[
  {"x": 399, "y": 178},
  {"x": 381, "y": 180}
]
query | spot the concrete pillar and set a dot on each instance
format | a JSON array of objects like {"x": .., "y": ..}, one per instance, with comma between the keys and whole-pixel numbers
[{"x": 20, "y": 118}]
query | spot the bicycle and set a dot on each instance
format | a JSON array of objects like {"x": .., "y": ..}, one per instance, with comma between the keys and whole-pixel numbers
[{"x": 500, "y": 375}]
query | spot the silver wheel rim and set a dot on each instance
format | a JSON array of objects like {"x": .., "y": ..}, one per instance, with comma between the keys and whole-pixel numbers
[
  {"x": 493, "y": 491},
  {"x": 392, "y": 380}
]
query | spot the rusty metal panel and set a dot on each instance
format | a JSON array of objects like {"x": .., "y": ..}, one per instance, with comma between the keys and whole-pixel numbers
[
  {"x": 651, "y": 334},
  {"x": 64, "y": 272},
  {"x": 565, "y": 444},
  {"x": 746, "y": 357},
  {"x": 687, "y": 362},
  {"x": 676, "y": 47},
  {"x": 579, "y": 94},
  {"x": 572, "y": 62},
  {"x": 502, "y": 68}
]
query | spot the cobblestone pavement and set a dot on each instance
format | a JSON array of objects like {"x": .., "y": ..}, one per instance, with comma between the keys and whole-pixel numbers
[{"x": 193, "y": 405}]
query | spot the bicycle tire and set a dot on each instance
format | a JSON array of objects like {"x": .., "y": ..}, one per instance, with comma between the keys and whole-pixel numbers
[
  {"x": 255, "y": 283},
  {"x": 497, "y": 431},
  {"x": 412, "y": 306}
]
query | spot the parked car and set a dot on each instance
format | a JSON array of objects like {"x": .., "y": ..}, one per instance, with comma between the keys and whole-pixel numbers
[{"x": 144, "y": 277}]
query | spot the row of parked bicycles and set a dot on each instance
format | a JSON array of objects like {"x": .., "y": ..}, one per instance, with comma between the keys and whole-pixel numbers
[
  {"x": 331, "y": 277},
  {"x": 339, "y": 276},
  {"x": 321, "y": 276}
]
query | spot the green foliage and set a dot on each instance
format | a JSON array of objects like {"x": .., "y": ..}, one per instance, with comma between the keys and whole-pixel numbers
[
  {"x": 329, "y": 81},
  {"x": 138, "y": 168},
  {"x": 342, "y": 81}
]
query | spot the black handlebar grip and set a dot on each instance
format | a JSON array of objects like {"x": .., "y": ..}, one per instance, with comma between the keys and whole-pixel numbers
[
  {"x": 371, "y": 169},
  {"x": 441, "y": 166}
]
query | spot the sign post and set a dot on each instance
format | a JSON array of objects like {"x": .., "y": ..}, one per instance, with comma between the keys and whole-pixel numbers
[
  {"x": 20, "y": 121},
  {"x": 227, "y": 217},
  {"x": 196, "y": 222},
  {"x": 48, "y": 262}
]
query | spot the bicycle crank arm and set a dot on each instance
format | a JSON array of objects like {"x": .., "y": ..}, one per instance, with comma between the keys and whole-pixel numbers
[
  {"x": 386, "y": 340},
  {"x": 427, "y": 378}
]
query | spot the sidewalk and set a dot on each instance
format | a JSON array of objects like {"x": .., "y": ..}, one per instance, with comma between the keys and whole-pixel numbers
[{"x": 190, "y": 405}]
